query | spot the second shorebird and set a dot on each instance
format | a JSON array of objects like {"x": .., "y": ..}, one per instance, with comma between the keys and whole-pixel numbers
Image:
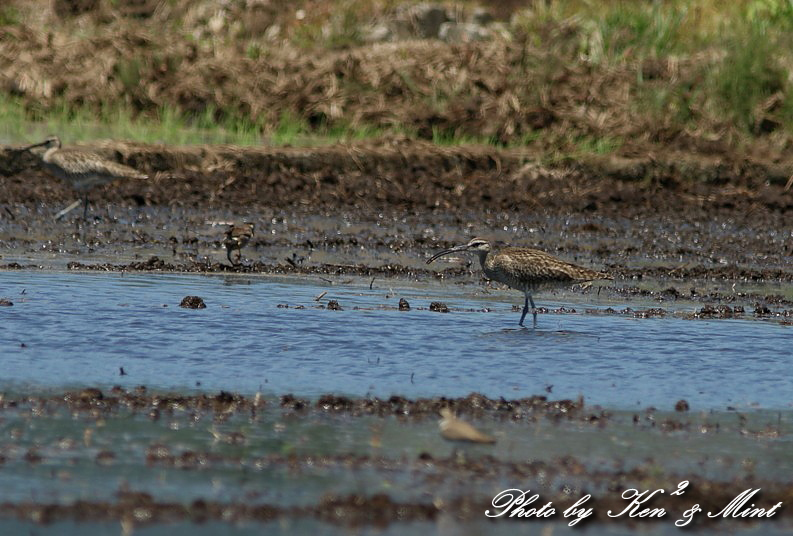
[
  {"x": 83, "y": 170},
  {"x": 237, "y": 237},
  {"x": 525, "y": 269},
  {"x": 455, "y": 429}
]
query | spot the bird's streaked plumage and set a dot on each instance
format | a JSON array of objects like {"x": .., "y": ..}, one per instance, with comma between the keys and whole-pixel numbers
[
  {"x": 83, "y": 170},
  {"x": 525, "y": 269},
  {"x": 237, "y": 237}
]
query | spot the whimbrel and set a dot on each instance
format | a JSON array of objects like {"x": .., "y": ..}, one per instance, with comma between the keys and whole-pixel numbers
[
  {"x": 237, "y": 236},
  {"x": 525, "y": 269},
  {"x": 83, "y": 170},
  {"x": 455, "y": 429}
]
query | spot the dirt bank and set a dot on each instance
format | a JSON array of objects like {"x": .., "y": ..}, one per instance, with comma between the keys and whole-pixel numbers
[
  {"x": 379, "y": 210},
  {"x": 414, "y": 176}
]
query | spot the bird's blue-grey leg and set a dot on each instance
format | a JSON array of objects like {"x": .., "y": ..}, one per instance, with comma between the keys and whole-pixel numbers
[
  {"x": 85, "y": 207},
  {"x": 533, "y": 308},
  {"x": 526, "y": 310}
]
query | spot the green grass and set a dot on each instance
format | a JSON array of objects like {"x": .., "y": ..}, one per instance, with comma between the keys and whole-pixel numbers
[
  {"x": 9, "y": 15},
  {"x": 454, "y": 138},
  {"x": 596, "y": 144},
  {"x": 633, "y": 30},
  {"x": 749, "y": 74},
  {"x": 167, "y": 125},
  {"x": 727, "y": 60},
  {"x": 294, "y": 130},
  {"x": 749, "y": 42}
]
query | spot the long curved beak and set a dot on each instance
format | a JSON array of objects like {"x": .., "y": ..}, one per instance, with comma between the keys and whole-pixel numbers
[
  {"x": 32, "y": 146},
  {"x": 447, "y": 251}
]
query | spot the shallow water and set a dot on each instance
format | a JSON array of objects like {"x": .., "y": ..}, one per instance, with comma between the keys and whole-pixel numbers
[{"x": 78, "y": 329}]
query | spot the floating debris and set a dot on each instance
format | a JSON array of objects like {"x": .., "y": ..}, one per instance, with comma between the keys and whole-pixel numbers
[
  {"x": 193, "y": 302},
  {"x": 762, "y": 310},
  {"x": 439, "y": 307}
]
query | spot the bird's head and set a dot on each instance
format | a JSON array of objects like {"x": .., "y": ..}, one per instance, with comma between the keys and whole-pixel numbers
[
  {"x": 477, "y": 245},
  {"x": 52, "y": 142}
]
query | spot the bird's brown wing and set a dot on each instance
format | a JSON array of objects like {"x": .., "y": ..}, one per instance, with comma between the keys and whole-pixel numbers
[
  {"x": 86, "y": 162},
  {"x": 542, "y": 266}
]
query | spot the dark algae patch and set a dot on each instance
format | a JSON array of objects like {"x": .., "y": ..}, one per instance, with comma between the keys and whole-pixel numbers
[{"x": 193, "y": 302}]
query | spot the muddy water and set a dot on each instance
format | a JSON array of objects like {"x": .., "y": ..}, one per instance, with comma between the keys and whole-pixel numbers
[{"x": 268, "y": 334}]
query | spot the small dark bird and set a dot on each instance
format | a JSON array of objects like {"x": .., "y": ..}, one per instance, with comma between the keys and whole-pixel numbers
[
  {"x": 83, "y": 170},
  {"x": 525, "y": 269},
  {"x": 237, "y": 237}
]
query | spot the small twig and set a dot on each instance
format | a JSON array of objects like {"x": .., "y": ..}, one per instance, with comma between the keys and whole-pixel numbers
[
  {"x": 317, "y": 298},
  {"x": 68, "y": 209},
  {"x": 789, "y": 183},
  {"x": 678, "y": 269}
]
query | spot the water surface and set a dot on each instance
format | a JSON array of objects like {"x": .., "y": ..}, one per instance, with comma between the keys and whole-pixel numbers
[{"x": 77, "y": 329}]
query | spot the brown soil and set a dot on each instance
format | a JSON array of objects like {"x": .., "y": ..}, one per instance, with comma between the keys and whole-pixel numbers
[
  {"x": 674, "y": 222},
  {"x": 130, "y": 54},
  {"x": 419, "y": 176},
  {"x": 139, "y": 400},
  {"x": 381, "y": 510}
]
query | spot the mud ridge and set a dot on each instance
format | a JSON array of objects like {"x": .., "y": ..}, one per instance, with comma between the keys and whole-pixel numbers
[
  {"x": 378, "y": 510},
  {"x": 409, "y": 175}
]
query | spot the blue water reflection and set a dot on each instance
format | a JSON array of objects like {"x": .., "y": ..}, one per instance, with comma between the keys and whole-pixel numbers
[{"x": 78, "y": 329}]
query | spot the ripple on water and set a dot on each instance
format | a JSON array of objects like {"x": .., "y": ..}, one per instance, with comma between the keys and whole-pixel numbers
[{"x": 80, "y": 328}]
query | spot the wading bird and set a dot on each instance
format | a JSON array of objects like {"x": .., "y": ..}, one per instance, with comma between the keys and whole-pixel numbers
[
  {"x": 83, "y": 170},
  {"x": 455, "y": 429},
  {"x": 237, "y": 237},
  {"x": 525, "y": 269}
]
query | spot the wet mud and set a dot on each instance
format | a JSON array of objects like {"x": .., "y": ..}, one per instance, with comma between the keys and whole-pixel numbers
[
  {"x": 380, "y": 210},
  {"x": 139, "y": 399},
  {"x": 378, "y": 510},
  {"x": 561, "y": 477},
  {"x": 709, "y": 234},
  {"x": 415, "y": 176}
]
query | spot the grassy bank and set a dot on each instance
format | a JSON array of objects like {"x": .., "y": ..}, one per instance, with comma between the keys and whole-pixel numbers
[
  {"x": 562, "y": 77},
  {"x": 166, "y": 125}
]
